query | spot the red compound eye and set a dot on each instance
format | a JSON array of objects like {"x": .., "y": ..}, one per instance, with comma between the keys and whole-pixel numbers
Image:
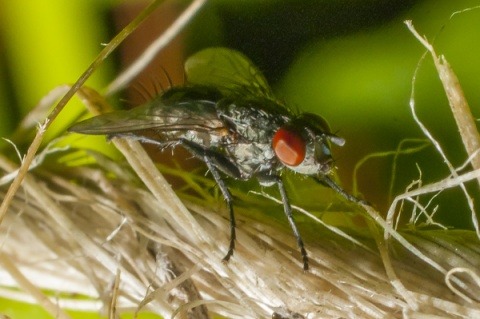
[{"x": 289, "y": 147}]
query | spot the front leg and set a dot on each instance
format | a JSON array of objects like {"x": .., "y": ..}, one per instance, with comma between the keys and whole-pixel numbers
[
  {"x": 325, "y": 180},
  {"x": 268, "y": 180}
]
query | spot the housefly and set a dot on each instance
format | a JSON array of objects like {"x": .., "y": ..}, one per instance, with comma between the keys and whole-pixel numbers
[{"x": 227, "y": 116}]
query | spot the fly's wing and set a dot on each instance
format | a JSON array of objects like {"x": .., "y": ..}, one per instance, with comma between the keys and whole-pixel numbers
[
  {"x": 173, "y": 111},
  {"x": 228, "y": 71}
]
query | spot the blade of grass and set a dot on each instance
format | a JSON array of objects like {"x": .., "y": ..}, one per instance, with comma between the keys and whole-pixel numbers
[{"x": 32, "y": 150}]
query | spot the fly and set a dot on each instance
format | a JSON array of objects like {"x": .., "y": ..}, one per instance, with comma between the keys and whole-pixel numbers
[{"x": 227, "y": 116}]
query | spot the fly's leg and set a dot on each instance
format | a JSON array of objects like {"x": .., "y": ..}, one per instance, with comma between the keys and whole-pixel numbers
[
  {"x": 329, "y": 182},
  {"x": 229, "y": 199},
  {"x": 288, "y": 212},
  {"x": 273, "y": 179},
  {"x": 216, "y": 162}
]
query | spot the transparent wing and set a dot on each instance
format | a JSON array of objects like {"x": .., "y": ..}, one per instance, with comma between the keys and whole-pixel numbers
[
  {"x": 174, "y": 111},
  {"x": 227, "y": 70}
]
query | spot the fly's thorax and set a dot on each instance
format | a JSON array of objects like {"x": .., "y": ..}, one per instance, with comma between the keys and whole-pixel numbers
[
  {"x": 250, "y": 125},
  {"x": 252, "y": 158},
  {"x": 253, "y": 121}
]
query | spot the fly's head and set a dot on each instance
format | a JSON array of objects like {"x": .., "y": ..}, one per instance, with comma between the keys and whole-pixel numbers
[{"x": 303, "y": 145}]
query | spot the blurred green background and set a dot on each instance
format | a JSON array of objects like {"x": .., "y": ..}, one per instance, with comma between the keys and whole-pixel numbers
[{"x": 349, "y": 61}]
